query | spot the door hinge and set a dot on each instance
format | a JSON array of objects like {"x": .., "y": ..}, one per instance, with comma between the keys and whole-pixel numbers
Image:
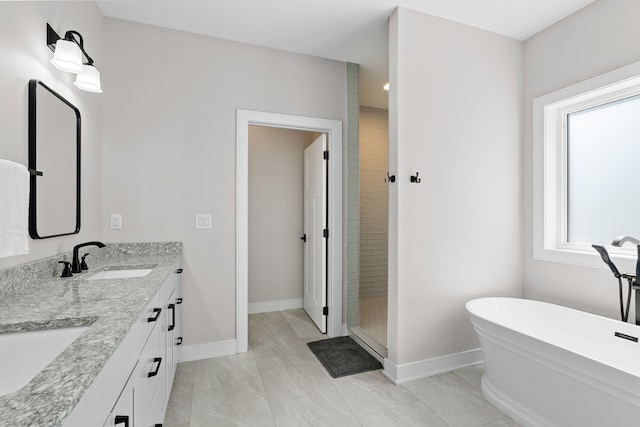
[
  {"x": 325, "y": 233},
  {"x": 325, "y": 155},
  {"x": 325, "y": 311}
]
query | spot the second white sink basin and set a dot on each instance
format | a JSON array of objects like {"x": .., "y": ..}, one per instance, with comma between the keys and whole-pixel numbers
[
  {"x": 120, "y": 274},
  {"x": 24, "y": 354}
]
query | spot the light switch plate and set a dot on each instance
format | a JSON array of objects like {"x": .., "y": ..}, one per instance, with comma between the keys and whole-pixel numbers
[
  {"x": 116, "y": 221},
  {"x": 203, "y": 221}
]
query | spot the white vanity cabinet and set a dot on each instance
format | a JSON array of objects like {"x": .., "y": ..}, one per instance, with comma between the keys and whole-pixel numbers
[{"x": 133, "y": 388}]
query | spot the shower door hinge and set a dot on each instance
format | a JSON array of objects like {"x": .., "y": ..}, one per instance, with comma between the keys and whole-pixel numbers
[
  {"x": 325, "y": 233},
  {"x": 325, "y": 311},
  {"x": 325, "y": 155}
]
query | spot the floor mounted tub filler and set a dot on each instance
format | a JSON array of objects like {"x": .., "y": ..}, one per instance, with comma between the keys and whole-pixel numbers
[{"x": 548, "y": 365}]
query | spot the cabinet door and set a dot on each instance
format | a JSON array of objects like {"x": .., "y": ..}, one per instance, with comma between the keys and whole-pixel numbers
[
  {"x": 169, "y": 344},
  {"x": 172, "y": 331},
  {"x": 177, "y": 332}
]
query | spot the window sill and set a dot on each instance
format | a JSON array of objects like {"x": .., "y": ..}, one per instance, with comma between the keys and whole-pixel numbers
[{"x": 584, "y": 255}]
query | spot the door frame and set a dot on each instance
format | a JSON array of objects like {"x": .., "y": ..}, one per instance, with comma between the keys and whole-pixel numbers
[{"x": 333, "y": 129}]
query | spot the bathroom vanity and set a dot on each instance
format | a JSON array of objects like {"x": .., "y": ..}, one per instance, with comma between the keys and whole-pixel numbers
[{"x": 120, "y": 368}]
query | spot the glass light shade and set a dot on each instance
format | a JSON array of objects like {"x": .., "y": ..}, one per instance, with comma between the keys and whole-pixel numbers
[
  {"x": 67, "y": 56},
  {"x": 88, "y": 79}
]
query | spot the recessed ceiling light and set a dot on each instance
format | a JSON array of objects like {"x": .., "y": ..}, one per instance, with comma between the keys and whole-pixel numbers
[{"x": 386, "y": 86}]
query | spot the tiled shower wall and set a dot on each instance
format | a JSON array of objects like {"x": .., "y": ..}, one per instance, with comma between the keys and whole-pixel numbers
[
  {"x": 374, "y": 202},
  {"x": 353, "y": 192}
]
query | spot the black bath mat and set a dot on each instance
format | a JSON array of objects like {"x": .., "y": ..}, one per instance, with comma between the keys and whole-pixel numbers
[{"x": 342, "y": 356}]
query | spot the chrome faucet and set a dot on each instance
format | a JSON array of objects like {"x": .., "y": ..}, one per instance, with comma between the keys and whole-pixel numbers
[{"x": 75, "y": 265}]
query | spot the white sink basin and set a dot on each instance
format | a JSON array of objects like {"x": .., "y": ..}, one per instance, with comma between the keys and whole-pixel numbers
[
  {"x": 120, "y": 274},
  {"x": 24, "y": 354}
]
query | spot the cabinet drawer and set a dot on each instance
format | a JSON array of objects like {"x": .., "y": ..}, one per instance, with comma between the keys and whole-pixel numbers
[
  {"x": 170, "y": 284},
  {"x": 145, "y": 324},
  {"x": 155, "y": 415},
  {"x": 122, "y": 413},
  {"x": 148, "y": 373}
]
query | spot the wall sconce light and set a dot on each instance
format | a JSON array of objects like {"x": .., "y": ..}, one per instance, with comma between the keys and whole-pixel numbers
[{"x": 68, "y": 55}]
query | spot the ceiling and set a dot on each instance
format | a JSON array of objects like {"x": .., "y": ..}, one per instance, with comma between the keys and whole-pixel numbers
[{"x": 344, "y": 30}]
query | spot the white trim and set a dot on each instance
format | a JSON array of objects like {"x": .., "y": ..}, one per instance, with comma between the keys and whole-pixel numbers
[
  {"x": 549, "y": 169},
  {"x": 205, "y": 351},
  {"x": 400, "y": 374},
  {"x": 333, "y": 129},
  {"x": 269, "y": 306}
]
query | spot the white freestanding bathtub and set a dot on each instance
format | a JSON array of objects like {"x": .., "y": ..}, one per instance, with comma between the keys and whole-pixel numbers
[{"x": 548, "y": 365}]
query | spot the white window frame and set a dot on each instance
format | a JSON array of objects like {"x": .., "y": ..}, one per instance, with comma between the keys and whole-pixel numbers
[{"x": 550, "y": 165}]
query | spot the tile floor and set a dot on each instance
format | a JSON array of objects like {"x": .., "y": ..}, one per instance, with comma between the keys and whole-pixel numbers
[{"x": 279, "y": 382}]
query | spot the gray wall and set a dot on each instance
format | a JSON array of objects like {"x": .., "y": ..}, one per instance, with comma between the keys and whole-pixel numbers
[
  {"x": 170, "y": 139},
  {"x": 24, "y": 56},
  {"x": 276, "y": 205},
  {"x": 455, "y": 115},
  {"x": 597, "y": 39},
  {"x": 374, "y": 202}
]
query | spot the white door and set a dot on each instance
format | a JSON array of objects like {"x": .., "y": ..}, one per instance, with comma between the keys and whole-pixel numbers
[{"x": 315, "y": 223}]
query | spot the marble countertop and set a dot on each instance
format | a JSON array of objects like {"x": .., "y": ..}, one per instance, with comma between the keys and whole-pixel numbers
[{"x": 33, "y": 297}]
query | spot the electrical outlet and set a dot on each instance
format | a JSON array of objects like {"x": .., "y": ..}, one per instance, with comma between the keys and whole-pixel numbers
[
  {"x": 203, "y": 221},
  {"x": 116, "y": 221}
]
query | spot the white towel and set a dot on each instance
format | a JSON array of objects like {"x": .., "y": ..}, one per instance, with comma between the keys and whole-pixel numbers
[{"x": 14, "y": 209}]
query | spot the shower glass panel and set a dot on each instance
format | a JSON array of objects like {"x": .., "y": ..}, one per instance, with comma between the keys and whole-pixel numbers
[
  {"x": 374, "y": 220},
  {"x": 367, "y": 206}
]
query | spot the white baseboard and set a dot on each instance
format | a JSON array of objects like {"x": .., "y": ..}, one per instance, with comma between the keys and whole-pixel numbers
[
  {"x": 426, "y": 368},
  {"x": 189, "y": 353},
  {"x": 269, "y": 306}
]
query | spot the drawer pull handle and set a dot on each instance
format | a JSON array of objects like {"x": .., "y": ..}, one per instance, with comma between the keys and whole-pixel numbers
[
  {"x": 179, "y": 341},
  {"x": 119, "y": 419},
  {"x": 172, "y": 326},
  {"x": 157, "y": 315},
  {"x": 157, "y": 360},
  {"x": 179, "y": 271},
  {"x": 178, "y": 300}
]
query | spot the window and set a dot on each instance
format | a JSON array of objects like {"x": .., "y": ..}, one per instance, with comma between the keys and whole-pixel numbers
[
  {"x": 603, "y": 167},
  {"x": 586, "y": 167}
]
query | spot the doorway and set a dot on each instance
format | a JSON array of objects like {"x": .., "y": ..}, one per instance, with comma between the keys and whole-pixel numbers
[
  {"x": 333, "y": 131},
  {"x": 287, "y": 219}
]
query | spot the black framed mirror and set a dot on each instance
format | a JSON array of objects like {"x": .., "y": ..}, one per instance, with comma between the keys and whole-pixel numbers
[{"x": 54, "y": 163}]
